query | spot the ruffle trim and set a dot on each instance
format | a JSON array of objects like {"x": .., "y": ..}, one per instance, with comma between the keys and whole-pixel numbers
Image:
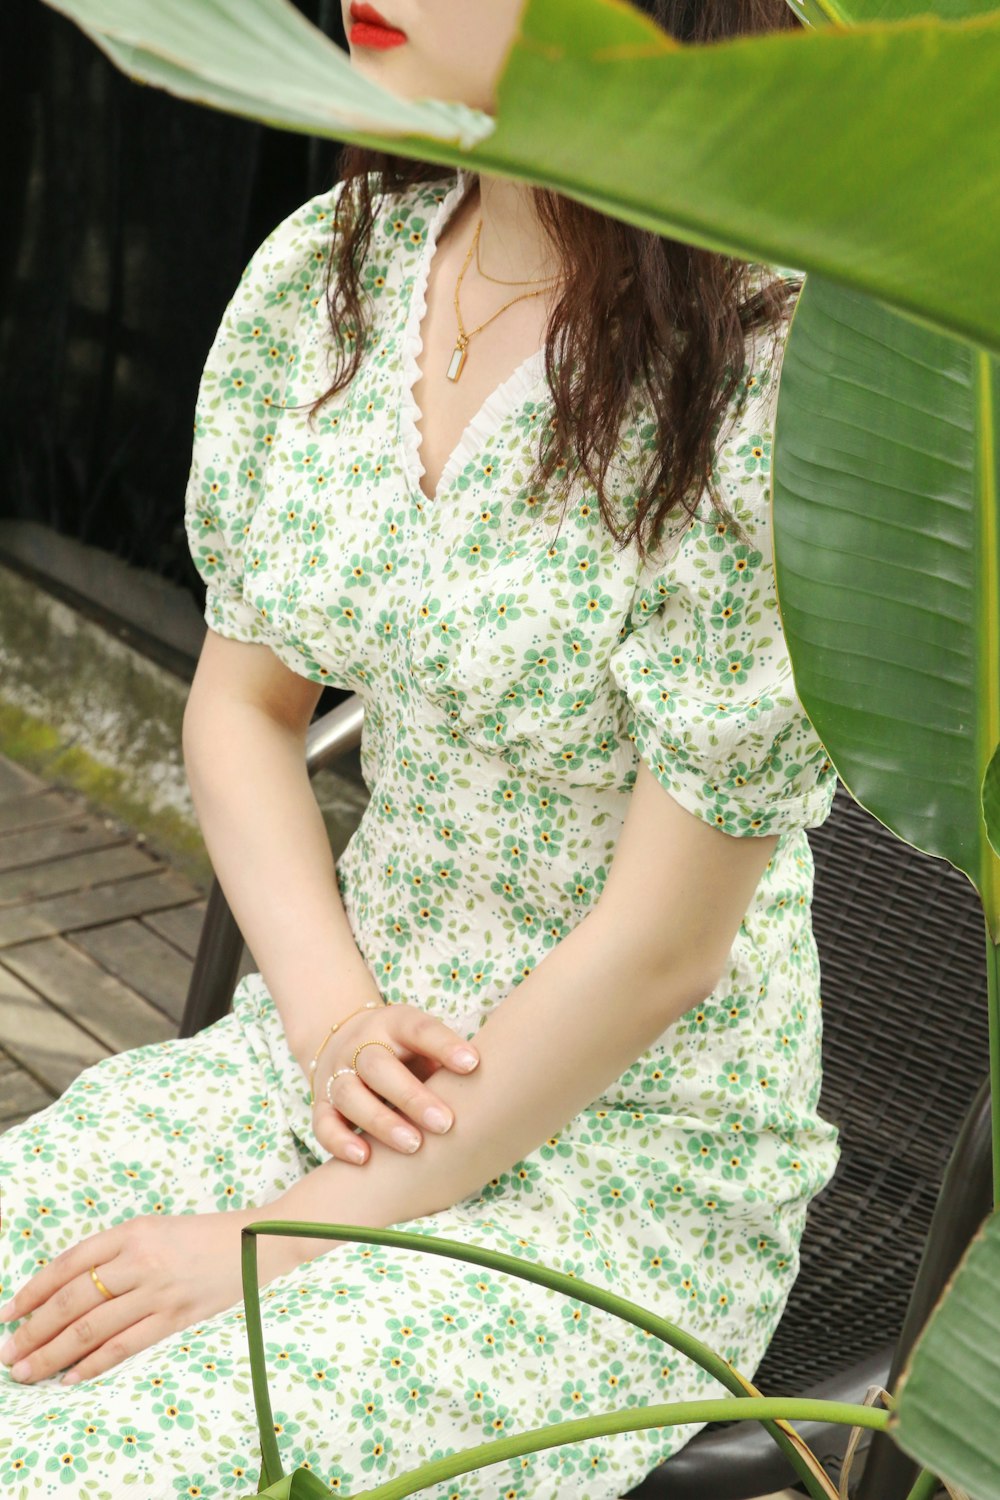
[{"x": 483, "y": 426}]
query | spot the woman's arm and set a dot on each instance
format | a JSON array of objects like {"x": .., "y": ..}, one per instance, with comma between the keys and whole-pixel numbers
[
  {"x": 654, "y": 945},
  {"x": 244, "y": 737}
]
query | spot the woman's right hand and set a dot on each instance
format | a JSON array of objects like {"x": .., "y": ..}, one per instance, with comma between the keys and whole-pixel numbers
[{"x": 387, "y": 1096}]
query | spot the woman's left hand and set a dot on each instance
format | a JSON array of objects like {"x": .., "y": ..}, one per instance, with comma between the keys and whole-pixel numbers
[{"x": 165, "y": 1272}]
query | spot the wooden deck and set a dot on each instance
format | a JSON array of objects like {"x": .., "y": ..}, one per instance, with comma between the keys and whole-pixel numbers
[{"x": 97, "y": 940}]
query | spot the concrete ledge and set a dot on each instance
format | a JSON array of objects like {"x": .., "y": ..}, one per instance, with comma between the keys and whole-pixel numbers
[
  {"x": 159, "y": 618},
  {"x": 85, "y": 709}
]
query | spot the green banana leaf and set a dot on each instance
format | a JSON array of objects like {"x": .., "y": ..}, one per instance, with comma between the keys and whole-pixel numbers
[
  {"x": 886, "y": 494},
  {"x": 263, "y": 59},
  {"x": 887, "y": 553},
  {"x": 670, "y": 132},
  {"x": 948, "y": 1411},
  {"x": 820, "y": 148},
  {"x": 855, "y": 12}
]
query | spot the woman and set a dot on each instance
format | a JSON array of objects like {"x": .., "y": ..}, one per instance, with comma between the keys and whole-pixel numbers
[{"x": 583, "y": 862}]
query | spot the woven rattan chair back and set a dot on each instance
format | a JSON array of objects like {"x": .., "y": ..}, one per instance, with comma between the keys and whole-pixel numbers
[{"x": 905, "y": 1030}]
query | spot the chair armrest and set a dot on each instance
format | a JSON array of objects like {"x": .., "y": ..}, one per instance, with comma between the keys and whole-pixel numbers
[{"x": 336, "y": 733}]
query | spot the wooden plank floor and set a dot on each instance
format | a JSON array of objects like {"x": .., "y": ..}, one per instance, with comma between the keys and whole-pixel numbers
[{"x": 97, "y": 941}]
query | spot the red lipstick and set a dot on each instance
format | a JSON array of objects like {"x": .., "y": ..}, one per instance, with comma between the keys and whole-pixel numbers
[{"x": 371, "y": 29}]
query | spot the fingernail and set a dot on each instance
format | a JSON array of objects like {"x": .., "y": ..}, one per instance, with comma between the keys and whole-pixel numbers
[
  {"x": 7, "y": 1313},
  {"x": 70, "y": 1378},
  {"x": 354, "y": 1153},
  {"x": 7, "y": 1352},
  {"x": 21, "y": 1370},
  {"x": 465, "y": 1058},
  {"x": 405, "y": 1138},
  {"x": 436, "y": 1118}
]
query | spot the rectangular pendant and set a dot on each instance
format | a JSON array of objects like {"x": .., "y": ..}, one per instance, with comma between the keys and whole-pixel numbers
[{"x": 457, "y": 361}]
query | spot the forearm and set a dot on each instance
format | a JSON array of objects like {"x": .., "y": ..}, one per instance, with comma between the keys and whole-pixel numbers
[
  {"x": 269, "y": 847},
  {"x": 552, "y": 1046}
]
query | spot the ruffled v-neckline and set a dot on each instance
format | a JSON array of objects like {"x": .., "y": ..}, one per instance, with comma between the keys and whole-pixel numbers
[{"x": 483, "y": 425}]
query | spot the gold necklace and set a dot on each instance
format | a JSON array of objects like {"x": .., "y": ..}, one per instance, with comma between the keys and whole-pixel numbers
[
  {"x": 529, "y": 281},
  {"x": 457, "y": 361}
]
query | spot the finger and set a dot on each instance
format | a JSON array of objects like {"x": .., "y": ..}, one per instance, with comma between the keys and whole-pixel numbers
[
  {"x": 337, "y": 1135},
  {"x": 393, "y": 1079},
  {"x": 72, "y": 1300},
  {"x": 85, "y": 1334},
  {"x": 141, "y": 1335},
  {"x": 96, "y": 1249},
  {"x": 427, "y": 1033},
  {"x": 357, "y": 1103}
]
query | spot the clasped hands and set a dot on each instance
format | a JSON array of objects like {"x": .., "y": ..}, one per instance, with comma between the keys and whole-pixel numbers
[
  {"x": 385, "y": 1089},
  {"x": 165, "y": 1273}
]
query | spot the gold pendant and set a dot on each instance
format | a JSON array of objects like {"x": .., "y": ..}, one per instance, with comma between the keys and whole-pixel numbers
[{"x": 457, "y": 361}]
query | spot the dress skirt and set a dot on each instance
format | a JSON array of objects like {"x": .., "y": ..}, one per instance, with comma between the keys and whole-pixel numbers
[{"x": 378, "y": 1358}]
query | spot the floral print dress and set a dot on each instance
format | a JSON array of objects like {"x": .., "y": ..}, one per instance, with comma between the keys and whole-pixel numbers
[{"x": 515, "y": 665}]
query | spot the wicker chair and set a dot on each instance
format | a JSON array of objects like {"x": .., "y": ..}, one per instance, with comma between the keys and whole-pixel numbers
[{"x": 900, "y": 937}]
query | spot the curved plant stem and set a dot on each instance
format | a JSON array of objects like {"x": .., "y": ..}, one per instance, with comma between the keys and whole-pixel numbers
[
  {"x": 672, "y": 1414},
  {"x": 270, "y": 1458},
  {"x": 775, "y": 1412}
]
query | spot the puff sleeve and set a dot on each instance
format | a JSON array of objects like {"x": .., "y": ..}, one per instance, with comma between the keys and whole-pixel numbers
[
  {"x": 241, "y": 391},
  {"x": 710, "y": 702}
]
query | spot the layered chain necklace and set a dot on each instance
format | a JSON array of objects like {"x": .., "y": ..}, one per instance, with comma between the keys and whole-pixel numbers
[{"x": 457, "y": 362}]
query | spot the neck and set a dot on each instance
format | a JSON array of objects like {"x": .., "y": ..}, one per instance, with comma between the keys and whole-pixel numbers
[{"x": 513, "y": 244}]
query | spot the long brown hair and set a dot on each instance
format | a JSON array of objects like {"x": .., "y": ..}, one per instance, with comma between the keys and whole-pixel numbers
[{"x": 639, "y": 311}]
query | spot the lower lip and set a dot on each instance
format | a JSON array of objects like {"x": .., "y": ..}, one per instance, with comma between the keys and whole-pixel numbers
[{"x": 364, "y": 34}]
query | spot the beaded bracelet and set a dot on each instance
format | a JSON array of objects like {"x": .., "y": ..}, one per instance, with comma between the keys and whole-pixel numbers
[{"x": 368, "y": 1005}]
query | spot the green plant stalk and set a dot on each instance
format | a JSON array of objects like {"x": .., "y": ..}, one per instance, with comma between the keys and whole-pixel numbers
[
  {"x": 673, "y": 1414},
  {"x": 270, "y": 1459},
  {"x": 988, "y": 565},
  {"x": 770, "y": 1413},
  {"x": 993, "y": 1002},
  {"x": 925, "y": 1487},
  {"x": 988, "y": 594}
]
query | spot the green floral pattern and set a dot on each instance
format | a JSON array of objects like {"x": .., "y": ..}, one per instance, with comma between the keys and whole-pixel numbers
[{"x": 515, "y": 665}]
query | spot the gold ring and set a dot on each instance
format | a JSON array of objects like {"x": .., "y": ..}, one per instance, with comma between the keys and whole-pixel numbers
[
  {"x": 99, "y": 1283},
  {"x": 354, "y": 1059}
]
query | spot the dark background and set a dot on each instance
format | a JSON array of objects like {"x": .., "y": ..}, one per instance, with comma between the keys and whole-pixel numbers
[{"x": 129, "y": 215}]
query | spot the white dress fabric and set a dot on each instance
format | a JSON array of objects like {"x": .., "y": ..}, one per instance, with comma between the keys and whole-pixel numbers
[{"x": 515, "y": 665}]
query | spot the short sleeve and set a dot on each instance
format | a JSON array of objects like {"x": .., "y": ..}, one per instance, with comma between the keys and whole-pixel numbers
[
  {"x": 704, "y": 668},
  {"x": 242, "y": 389}
]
